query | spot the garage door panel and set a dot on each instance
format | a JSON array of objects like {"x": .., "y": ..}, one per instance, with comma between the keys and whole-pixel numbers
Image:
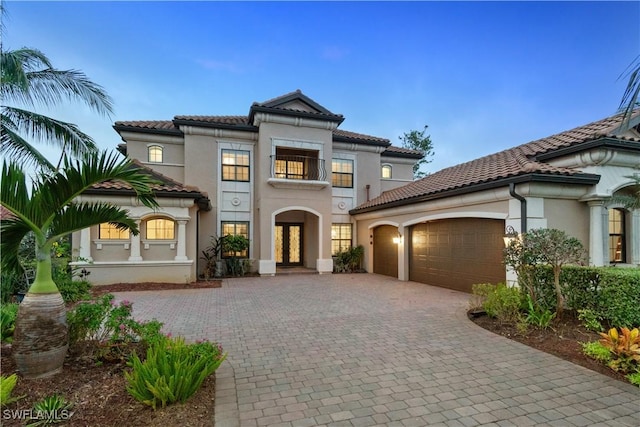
[
  {"x": 385, "y": 252},
  {"x": 457, "y": 253}
]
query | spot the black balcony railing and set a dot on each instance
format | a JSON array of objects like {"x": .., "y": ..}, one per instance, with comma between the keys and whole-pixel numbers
[{"x": 298, "y": 168}]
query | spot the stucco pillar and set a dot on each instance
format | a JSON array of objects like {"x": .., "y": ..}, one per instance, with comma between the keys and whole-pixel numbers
[
  {"x": 85, "y": 245},
  {"x": 596, "y": 233},
  {"x": 181, "y": 252},
  {"x": 403, "y": 249},
  {"x": 135, "y": 246}
]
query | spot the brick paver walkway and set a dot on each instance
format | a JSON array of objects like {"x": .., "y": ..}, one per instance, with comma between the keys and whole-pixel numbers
[{"x": 363, "y": 349}]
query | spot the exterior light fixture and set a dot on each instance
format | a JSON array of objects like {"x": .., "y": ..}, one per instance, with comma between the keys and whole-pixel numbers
[
  {"x": 398, "y": 240},
  {"x": 509, "y": 236}
]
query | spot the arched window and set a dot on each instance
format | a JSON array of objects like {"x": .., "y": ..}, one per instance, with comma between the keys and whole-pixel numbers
[
  {"x": 108, "y": 231},
  {"x": 155, "y": 154},
  {"x": 386, "y": 171},
  {"x": 160, "y": 229},
  {"x": 617, "y": 238}
]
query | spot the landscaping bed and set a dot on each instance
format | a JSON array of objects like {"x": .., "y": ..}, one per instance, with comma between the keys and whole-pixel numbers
[
  {"x": 563, "y": 339},
  {"x": 97, "y": 390}
]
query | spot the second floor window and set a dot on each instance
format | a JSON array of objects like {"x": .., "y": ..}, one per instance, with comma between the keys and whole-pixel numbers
[
  {"x": 160, "y": 229},
  {"x": 342, "y": 173},
  {"x": 108, "y": 231},
  {"x": 386, "y": 172},
  {"x": 235, "y": 165},
  {"x": 155, "y": 154}
]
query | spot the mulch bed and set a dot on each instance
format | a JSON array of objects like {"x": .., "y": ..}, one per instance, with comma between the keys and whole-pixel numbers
[{"x": 563, "y": 339}]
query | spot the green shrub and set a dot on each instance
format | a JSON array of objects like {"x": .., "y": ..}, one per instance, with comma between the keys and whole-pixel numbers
[
  {"x": 74, "y": 290},
  {"x": 172, "y": 371},
  {"x": 8, "y": 314},
  {"x": 53, "y": 409},
  {"x": 7, "y": 384},
  {"x": 634, "y": 378},
  {"x": 590, "y": 319},
  {"x": 540, "y": 317},
  {"x": 110, "y": 327},
  {"x": 479, "y": 292},
  {"x": 620, "y": 296},
  {"x": 597, "y": 351},
  {"x": 348, "y": 260},
  {"x": 611, "y": 294},
  {"x": 503, "y": 303}
]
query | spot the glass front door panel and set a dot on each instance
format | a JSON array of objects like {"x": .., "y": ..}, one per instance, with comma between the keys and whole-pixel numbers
[
  {"x": 294, "y": 244},
  {"x": 288, "y": 244},
  {"x": 279, "y": 240}
]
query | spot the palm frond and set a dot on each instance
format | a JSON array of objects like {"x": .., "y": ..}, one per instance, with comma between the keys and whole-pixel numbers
[
  {"x": 14, "y": 194},
  {"x": 14, "y": 147},
  {"x": 13, "y": 231},
  {"x": 630, "y": 97},
  {"x": 14, "y": 68},
  {"x": 82, "y": 215},
  {"x": 29, "y": 78},
  {"x": 108, "y": 167},
  {"x": 51, "y": 86},
  {"x": 48, "y": 130}
]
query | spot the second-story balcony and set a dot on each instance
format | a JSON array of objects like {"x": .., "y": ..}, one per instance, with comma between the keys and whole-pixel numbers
[{"x": 295, "y": 171}]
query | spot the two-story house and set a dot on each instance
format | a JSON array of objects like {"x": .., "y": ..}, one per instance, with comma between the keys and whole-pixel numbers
[{"x": 284, "y": 176}]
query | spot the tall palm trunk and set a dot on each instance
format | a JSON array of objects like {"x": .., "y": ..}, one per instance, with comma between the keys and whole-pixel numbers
[{"x": 41, "y": 336}]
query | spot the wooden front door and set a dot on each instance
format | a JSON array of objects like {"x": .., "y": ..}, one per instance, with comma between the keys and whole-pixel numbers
[{"x": 288, "y": 239}]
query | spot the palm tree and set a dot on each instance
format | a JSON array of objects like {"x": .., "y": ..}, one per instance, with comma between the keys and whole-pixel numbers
[
  {"x": 28, "y": 79},
  {"x": 48, "y": 210}
]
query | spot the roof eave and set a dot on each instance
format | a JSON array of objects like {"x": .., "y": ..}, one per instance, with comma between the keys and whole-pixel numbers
[
  {"x": 350, "y": 140},
  {"x": 606, "y": 142},
  {"x": 416, "y": 156},
  {"x": 200, "y": 123},
  {"x": 155, "y": 131},
  {"x": 316, "y": 116},
  {"x": 576, "y": 179},
  {"x": 156, "y": 193}
]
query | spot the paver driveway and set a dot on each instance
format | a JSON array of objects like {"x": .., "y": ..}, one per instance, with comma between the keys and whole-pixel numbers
[{"x": 363, "y": 349}]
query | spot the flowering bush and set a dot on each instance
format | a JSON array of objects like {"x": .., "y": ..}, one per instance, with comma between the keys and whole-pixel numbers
[{"x": 110, "y": 326}]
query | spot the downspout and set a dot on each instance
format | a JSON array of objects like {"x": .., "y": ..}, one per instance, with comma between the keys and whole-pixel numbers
[{"x": 523, "y": 207}]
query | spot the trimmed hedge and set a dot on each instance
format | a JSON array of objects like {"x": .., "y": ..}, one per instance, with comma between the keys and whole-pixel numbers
[{"x": 611, "y": 293}]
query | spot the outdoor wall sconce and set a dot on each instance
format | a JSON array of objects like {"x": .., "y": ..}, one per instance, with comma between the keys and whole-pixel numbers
[
  {"x": 398, "y": 240},
  {"x": 509, "y": 236}
]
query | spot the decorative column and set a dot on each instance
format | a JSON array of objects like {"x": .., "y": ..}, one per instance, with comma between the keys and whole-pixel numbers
[
  {"x": 135, "y": 246},
  {"x": 181, "y": 253},
  {"x": 596, "y": 233},
  {"x": 634, "y": 235},
  {"x": 85, "y": 245}
]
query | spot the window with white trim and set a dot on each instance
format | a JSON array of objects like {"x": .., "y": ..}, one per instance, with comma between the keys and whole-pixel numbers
[
  {"x": 155, "y": 153},
  {"x": 341, "y": 237},
  {"x": 386, "y": 171},
  {"x": 108, "y": 231},
  {"x": 160, "y": 229}
]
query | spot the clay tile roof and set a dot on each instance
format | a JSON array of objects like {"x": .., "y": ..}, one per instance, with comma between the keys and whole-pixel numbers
[
  {"x": 347, "y": 136},
  {"x": 148, "y": 124},
  {"x": 227, "y": 120},
  {"x": 520, "y": 160},
  {"x": 167, "y": 187}
]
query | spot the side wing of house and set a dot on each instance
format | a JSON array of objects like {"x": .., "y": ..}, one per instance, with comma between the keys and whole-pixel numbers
[{"x": 447, "y": 229}]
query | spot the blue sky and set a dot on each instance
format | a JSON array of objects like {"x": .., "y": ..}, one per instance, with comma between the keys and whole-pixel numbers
[{"x": 484, "y": 76}]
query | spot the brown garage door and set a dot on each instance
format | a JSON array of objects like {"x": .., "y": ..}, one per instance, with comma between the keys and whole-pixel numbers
[
  {"x": 385, "y": 252},
  {"x": 456, "y": 253}
]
